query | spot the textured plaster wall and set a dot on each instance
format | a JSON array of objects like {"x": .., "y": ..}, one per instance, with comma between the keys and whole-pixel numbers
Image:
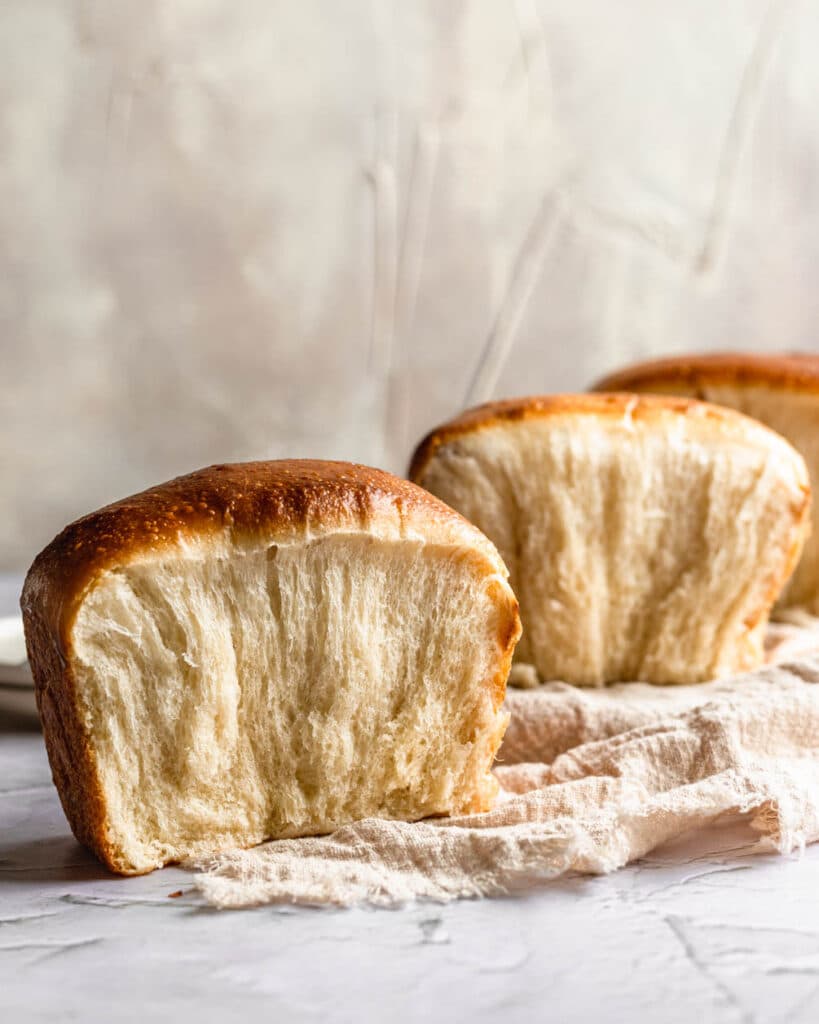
[{"x": 252, "y": 229}]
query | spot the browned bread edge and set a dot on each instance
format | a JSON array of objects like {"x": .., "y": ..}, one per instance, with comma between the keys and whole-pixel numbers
[
  {"x": 793, "y": 371},
  {"x": 614, "y": 405}
]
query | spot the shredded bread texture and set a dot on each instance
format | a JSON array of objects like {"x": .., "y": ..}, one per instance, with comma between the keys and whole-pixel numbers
[
  {"x": 780, "y": 391},
  {"x": 646, "y": 538}
]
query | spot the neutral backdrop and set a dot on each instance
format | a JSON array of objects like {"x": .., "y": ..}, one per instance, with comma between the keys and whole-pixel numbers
[{"x": 256, "y": 229}]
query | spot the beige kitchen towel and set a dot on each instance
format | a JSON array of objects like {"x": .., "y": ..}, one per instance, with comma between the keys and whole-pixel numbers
[{"x": 590, "y": 780}]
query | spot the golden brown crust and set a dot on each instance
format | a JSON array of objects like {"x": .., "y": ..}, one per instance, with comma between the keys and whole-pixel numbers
[
  {"x": 791, "y": 371},
  {"x": 287, "y": 497},
  {"x": 284, "y": 499},
  {"x": 613, "y": 405},
  {"x": 72, "y": 761}
]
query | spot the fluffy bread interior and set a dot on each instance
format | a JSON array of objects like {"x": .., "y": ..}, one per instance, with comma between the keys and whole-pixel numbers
[
  {"x": 794, "y": 415},
  {"x": 231, "y": 695},
  {"x": 640, "y": 547}
]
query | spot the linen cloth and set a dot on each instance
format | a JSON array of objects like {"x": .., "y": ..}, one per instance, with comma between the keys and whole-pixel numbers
[{"x": 590, "y": 779}]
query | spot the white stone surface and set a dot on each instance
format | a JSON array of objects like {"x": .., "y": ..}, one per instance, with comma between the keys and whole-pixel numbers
[
  {"x": 700, "y": 931},
  {"x": 256, "y": 229}
]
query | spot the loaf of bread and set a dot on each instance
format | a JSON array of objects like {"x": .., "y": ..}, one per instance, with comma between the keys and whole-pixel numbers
[
  {"x": 781, "y": 391},
  {"x": 265, "y": 650},
  {"x": 646, "y": 538}
]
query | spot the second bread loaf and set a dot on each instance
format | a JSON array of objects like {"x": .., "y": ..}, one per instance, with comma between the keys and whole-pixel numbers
[{"x": 647, "y": 538}]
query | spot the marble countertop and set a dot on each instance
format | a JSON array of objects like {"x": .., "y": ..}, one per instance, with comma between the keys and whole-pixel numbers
[{"x": 700, "y": 930}]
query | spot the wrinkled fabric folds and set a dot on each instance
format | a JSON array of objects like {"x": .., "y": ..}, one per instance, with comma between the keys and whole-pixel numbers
[{"x": 590, "y": 780}]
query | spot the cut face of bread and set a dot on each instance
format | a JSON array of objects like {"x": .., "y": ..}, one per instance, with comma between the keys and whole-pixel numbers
[
  {"x": 267, "y": 650},
  {"x": 781, "y": 391},
  {"x": 646, "y": 538}
]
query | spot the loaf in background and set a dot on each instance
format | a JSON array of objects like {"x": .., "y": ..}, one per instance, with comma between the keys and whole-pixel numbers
[{"x": 646, "y": 538}]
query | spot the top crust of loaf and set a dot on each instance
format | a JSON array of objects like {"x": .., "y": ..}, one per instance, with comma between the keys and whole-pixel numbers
[
  {"x": 712, "y": 419},
  {"x": 287, "y": 500},
  {"x": 790, "y": 371}
]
